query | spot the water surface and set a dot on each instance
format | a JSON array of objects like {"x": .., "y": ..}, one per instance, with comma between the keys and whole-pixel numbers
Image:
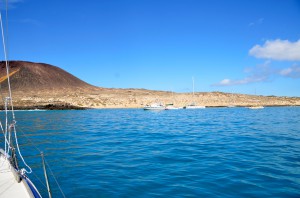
[{"x": 213, "y": 152}]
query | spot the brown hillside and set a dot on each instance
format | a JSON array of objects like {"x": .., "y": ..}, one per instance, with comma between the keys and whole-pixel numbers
[{"x": 29, "y": 76}]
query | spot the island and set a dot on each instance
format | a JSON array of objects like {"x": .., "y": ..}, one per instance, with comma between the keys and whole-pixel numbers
[{"x": 43, "y": 86}]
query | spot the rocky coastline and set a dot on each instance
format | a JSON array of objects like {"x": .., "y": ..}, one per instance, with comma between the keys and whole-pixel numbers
[{"x": 48, "y": 107}]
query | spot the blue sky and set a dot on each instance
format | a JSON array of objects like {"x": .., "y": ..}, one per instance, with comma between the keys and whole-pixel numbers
[{"x": 231, "y": 46}]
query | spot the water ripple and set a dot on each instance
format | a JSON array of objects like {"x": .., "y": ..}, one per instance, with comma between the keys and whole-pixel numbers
[{"x": 233, "y": 152}]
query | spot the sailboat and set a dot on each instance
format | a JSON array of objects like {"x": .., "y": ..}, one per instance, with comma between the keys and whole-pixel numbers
[
  {"x": 171, "y": 106},
  {"x": 256, "y": 104},
  {"x": 14, "y": 180},
  {"x": 193, "y": 104},
  {"x": 157, "y": 106}
]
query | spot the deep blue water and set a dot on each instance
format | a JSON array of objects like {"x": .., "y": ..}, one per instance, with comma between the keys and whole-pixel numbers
[{"x": 213, "y": 152}]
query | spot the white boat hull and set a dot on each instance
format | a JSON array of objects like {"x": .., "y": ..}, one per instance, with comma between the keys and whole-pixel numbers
[
  {"x": 171, "y": 108},
  {"x": 154, "y": 108},
  {"x": 258, "y": 107},
  {"x": 9, "y": 185},
  {"x": 195, "y": 107}
]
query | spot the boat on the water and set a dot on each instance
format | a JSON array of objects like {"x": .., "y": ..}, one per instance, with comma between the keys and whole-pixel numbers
[
  {"x": 171, "y": 107},
  {"x": 193, "y": 104},
  {"x": 256, "y": 107},
  {"x": 231, "y": 106},
  {"x": 155, "y": 106}
]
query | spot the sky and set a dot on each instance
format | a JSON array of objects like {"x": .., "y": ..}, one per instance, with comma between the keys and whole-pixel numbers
[{"x": 249, "y": 47}]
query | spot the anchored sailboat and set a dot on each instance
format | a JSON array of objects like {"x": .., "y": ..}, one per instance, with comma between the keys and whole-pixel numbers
[
  {"x": 171, "y": 106},
  {"x": 193, "y": 104},
  {"x": 157, "y": 106}
]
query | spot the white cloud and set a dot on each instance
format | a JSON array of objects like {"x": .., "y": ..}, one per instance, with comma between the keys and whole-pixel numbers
[
  {"x": 259, "y": 73},
  {"x": 247, "y": 80},
  {"x": 291, "y": 72},
  {"x": 277, "y": 50},
  {"x": 225, "y": 82},
  {"x": 271, "y": 50},
  {"x": 262, "y": 73},
  {"x": 285, "y": 72}
]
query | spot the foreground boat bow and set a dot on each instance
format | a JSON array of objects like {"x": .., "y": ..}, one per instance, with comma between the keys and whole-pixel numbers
[{"x": 13, "y": 183}]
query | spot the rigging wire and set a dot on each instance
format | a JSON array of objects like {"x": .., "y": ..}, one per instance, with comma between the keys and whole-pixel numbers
[
  {"x": 6, "y": 124},
  {"x": 7, "y": 66},
  {"x": 9, "y": 100},
  {"x": 41, "y": 182},
  {"x": 7, "y": 131},
  {"x": 55, "y": 179},
  {"x": 0, "y": 83},
  {"x": 18, "y": 148},
  {"x": 48, "y": 166}
]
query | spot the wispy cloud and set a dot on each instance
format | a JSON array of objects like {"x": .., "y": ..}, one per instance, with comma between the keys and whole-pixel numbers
[
  {"x": 291, "y": 72},
  {"x": 10, "y": 4},
  {"x": 271, "y": 50},
  {"x": 259, "y": 73},
  {"x": 262, "y": 73},
  {"x": 257, "y": 22},
  {"x": 277, "y": 50},
  {"x": 247, "y": 80}
]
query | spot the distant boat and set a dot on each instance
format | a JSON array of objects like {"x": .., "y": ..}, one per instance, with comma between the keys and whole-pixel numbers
[
  {"x": 256, "y": 107},
  {"x": 155, "y": 106},
  {"x": 231, "y": 106},
  {"x": 193, "y": 105},
  {"x": 170, "y": 107}
]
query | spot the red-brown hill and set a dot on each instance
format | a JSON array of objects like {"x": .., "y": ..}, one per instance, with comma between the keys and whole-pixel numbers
[{"x": 29, "y": 76}]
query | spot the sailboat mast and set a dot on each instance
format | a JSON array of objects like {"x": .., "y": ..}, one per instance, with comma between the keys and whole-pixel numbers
[{"x": 193, "y": 85}]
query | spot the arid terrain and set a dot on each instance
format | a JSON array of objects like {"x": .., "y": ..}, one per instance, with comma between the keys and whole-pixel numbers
[{"x": 38, "y": 85}]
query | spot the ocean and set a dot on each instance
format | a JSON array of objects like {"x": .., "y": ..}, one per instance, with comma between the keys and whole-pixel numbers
[{"x": 212, "y": 152}]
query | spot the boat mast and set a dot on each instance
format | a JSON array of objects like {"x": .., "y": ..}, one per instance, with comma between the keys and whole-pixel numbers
[
  {"x": 193, "y": 85},
  {"x": 193, "y": 89}
]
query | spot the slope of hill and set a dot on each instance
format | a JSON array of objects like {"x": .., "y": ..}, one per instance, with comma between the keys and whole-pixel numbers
[{"x": 28, "y": 76}]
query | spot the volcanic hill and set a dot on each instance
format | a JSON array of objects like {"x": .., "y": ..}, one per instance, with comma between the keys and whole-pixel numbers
[
  {"x": 39, "y": 85},
  {"x": 29, "y": 76}
]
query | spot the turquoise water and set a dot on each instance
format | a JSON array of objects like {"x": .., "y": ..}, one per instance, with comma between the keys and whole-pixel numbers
[{"x": 213, "y": 152}]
